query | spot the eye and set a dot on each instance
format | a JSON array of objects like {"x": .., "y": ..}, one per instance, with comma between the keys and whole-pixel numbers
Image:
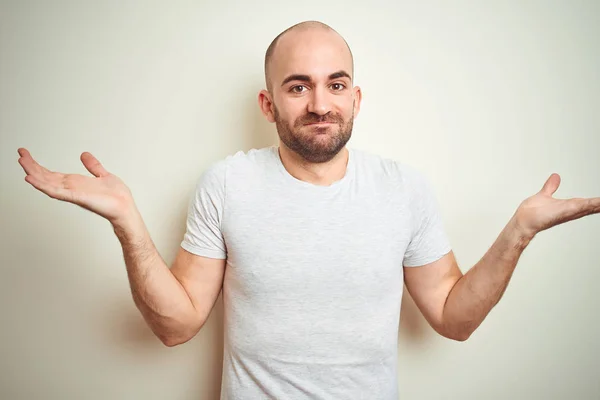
[
  {"x": 297, "y": 89},
  {"x": 338, "y": 86}
]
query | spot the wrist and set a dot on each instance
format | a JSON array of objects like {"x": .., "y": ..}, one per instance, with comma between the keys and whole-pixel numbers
[
  {"x": 521, "y": 236},
  {"x": 128, "y": 224}
]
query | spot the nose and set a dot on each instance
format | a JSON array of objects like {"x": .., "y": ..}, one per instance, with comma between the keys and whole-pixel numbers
[{"x": 319, "y": 102}]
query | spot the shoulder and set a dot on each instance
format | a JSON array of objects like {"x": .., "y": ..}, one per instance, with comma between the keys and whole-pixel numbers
[
  {"x": 239, "y": 164},
  {"x": 388, "y": 170}
]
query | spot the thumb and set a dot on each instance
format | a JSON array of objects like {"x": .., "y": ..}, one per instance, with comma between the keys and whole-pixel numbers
[
  {"x": 92, "y": 164},
  {"x": 551, "y": 185}
]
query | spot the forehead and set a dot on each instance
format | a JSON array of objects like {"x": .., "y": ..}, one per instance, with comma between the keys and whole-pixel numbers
[{"x": 315, "y": 52}]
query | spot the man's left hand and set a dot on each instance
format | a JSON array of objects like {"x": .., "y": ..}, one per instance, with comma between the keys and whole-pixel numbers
[{"x": 542, "y": 211}]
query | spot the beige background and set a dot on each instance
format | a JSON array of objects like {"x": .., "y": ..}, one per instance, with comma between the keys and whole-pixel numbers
[{"x": 487, "y": 98}]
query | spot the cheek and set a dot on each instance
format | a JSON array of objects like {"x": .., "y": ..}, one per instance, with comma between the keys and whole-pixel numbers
[
  {"x": 292, "y": 111},
  {"x": 345, "y": 106}
]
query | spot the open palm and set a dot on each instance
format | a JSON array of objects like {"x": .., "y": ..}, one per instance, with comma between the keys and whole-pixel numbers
[
  {"x": 104, "y": 193},
  {"x": 542, "y": 211}
]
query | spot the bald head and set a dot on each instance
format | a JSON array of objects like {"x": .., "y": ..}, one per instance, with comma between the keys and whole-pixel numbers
[{"x": 291, "y": 44}]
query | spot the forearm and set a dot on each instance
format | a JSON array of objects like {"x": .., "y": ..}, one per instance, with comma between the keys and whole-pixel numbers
[
  {"x": 480, "y": 289},
  {"x": 161, "y": 299}
]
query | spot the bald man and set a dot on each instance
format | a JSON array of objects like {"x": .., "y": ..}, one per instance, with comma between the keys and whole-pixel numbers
[{"x": 310, "y": 241}]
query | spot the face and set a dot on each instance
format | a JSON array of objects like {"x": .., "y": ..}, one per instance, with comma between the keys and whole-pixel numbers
[
  {"x": 316, "y": 138},
  {"x": 311, "y": 100}
]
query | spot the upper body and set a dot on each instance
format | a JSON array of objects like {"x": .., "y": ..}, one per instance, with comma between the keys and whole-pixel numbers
[
  {"x": 314, "y": 273},
  {"x": 314, "y": 237},
  {"x": 310, "y": 244}
]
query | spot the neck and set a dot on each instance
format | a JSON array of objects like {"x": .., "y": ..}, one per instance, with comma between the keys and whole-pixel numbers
[{"x": 322, "y": 174}]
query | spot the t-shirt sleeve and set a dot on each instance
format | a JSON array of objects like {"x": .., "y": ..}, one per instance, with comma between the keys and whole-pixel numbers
[
  {"x": 429, "y": 241},
  {"x": 203, "y": 235}
]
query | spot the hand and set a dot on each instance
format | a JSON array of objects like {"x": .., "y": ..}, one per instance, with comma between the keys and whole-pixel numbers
[
  {"x": 104, "y": 193},
  {"x": 542, "y": 211}
]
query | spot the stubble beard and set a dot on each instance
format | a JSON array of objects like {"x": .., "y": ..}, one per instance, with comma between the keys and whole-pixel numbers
[{"x": 315, "y": 144}]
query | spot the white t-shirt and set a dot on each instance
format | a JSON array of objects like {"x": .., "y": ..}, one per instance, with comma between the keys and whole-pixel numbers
[{"x": 313, "y": 281}]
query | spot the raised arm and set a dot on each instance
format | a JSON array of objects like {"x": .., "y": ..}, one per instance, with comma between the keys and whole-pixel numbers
[
  {"x": 455, "y": 305},
  {"x": 176, "y": 301}
]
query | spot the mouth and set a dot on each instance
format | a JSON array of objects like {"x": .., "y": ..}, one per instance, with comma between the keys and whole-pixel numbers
[{"x": 320, "y": 124}]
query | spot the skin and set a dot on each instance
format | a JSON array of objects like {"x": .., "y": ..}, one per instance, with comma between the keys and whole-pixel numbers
[
  {"x": 310, "y": 80},
  {"x": 176, "y": 301}
]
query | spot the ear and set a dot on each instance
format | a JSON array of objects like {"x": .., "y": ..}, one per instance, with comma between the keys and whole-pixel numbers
[
  {"x": 265, "y": 102},
  {"x": 357, "y": 100}
]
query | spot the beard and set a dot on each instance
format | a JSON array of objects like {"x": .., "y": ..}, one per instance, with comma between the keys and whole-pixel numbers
[{"x": 315, "y": 144}]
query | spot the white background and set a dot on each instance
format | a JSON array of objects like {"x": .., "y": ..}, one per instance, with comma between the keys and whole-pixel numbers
[{"x": 487, "y": 98}]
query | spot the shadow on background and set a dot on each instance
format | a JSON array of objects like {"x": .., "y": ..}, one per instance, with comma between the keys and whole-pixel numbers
[{"x": 414, "y": 328}]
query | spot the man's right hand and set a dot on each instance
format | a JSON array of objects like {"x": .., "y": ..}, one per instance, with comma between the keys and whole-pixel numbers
[
  {"x": 176, "y": 301},
  {"x": 104, "y": 193}
]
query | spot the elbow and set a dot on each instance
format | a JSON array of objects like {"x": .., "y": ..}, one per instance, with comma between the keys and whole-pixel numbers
[
  {"x": 459, "y": 335},
  {"x": 462, "y": 337},
  {"x": 173, "y": 330},
  {"x": 172, "y": 341},
  {"x": 179, "y": 336}
]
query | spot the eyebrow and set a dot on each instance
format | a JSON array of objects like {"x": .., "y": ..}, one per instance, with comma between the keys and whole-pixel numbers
[{"x": 306, "y": 78}]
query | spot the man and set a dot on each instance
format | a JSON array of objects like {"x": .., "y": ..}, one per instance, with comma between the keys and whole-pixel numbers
[{"x": 310, "y": 241}]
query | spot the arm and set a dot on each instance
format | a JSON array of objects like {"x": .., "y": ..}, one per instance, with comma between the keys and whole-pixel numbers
[
  {"x": 456, "y": 304},
  {"x": 175, "y": 302}
]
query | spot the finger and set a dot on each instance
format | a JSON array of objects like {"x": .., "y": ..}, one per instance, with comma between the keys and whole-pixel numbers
[
  {"x": 47, "y": 188},
  {"x": 551, "y": 185},
  {"x": 92, "y": 164},
  {"x": 29, "y": 165}
]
